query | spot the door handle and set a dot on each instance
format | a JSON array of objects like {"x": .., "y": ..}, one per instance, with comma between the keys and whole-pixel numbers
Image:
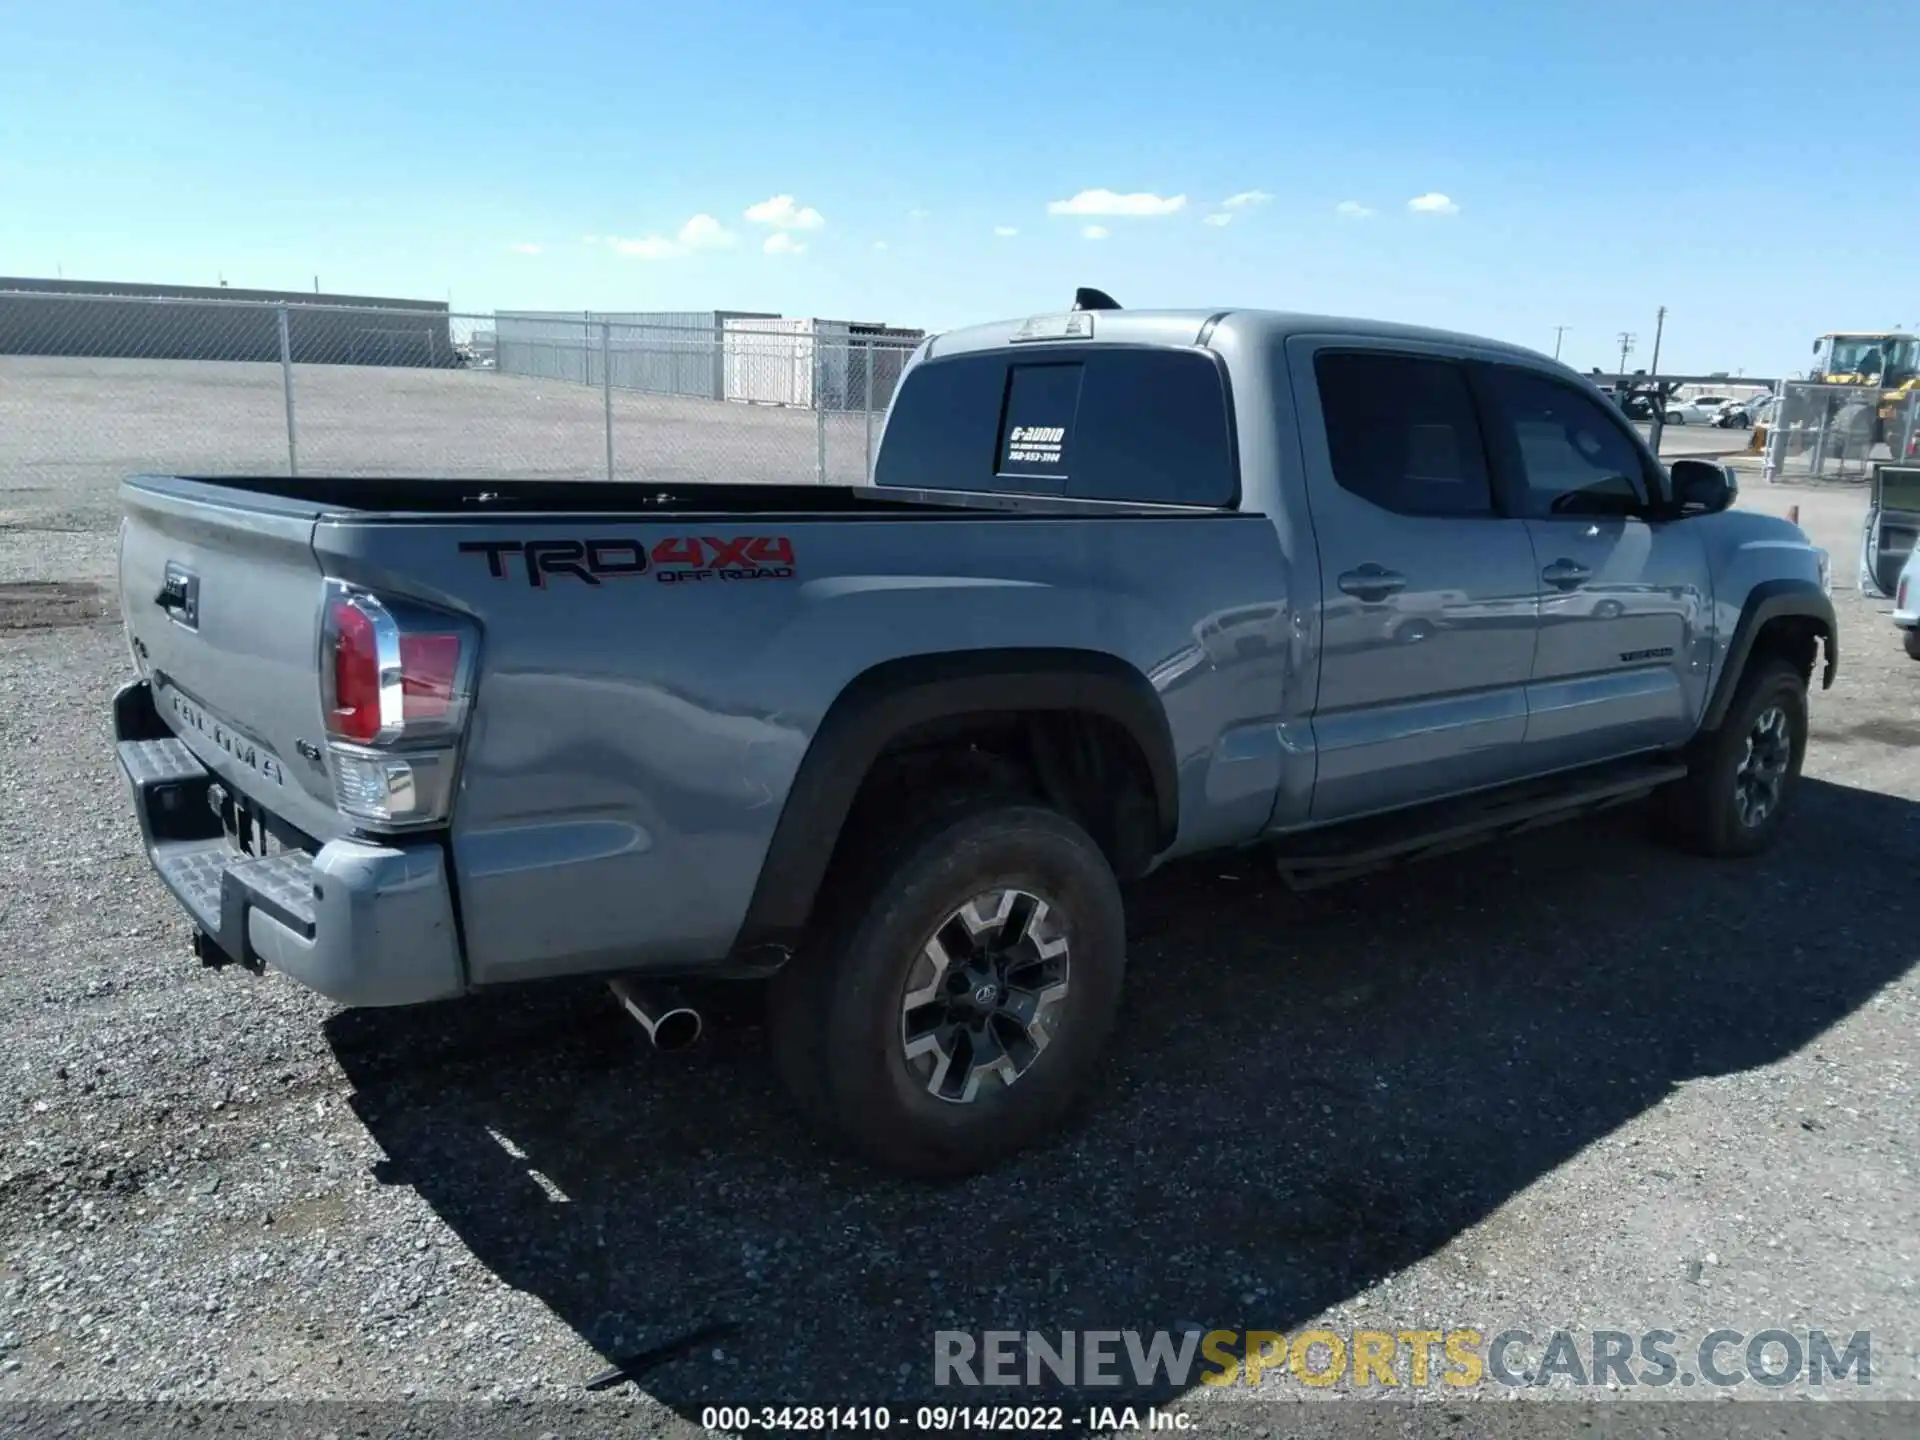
[
  {"x": 179, "y": 595},
  {"x": 1566, "y": 575},
  {"x": 1372, "y": 582}
]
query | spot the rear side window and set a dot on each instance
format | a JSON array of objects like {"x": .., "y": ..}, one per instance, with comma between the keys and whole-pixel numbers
[
  {"x": 1091, "y": 423},
  {"x": 1402, "y": 433}
]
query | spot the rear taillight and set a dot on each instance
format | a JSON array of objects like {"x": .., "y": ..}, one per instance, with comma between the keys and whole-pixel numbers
[
  {"x": 353, "y": 711},
  {"x": 397, "y": 677},
  {"x": 1900, "y": 601},
  {"x": 429, "y": 665}
]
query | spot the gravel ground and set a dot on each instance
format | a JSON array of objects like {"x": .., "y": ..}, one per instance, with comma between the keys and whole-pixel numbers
[
  {"x": 71, "y": 428},
  {"x": 1579, "y": 1082}
]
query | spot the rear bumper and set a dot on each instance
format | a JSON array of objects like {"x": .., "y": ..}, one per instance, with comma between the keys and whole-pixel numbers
[{"x": 363, "y": 923}]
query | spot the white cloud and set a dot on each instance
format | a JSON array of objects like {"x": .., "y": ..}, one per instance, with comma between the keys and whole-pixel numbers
[
  {"x": 1005, "y": 232},
  {"x": 1096, "y": 232},
  {"x": 918, "y": 214},
  {"x": 1432, "y": 203},
  {"x": 525, "y": 247},
  {"x": 702, "y": 232},
  {"x": 879, "y": 244},
  {"x": 783, "y": 213},
  {"x": 782, "y": 243},
  {"x": 589, "y": 239},
  {"x": 1107, "y": 202},
  {"x": 1352, "y": 210},
  {"x": 1220, "y": 217},
  {"x": 1245, "y": 198}
]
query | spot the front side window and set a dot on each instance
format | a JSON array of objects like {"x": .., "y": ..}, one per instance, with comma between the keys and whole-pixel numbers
[{"x": 1571, "y": 457}]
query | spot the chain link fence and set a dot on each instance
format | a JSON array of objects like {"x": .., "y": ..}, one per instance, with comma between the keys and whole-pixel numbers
[
  {"x": 1837, "y": 432},
  {"x": 98, "y": 387}
]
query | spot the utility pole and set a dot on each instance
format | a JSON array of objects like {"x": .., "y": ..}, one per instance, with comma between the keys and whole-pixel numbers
[
  {"x": 1626, "y": 347},
  {"x": 1659, "y": 324},
  {"x": 1558, "y": 331}
]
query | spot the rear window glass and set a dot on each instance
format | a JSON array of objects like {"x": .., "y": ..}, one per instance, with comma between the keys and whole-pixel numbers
[
  {"x": 1042, "y": 402},
  {"x": 1102, "y": 423}
]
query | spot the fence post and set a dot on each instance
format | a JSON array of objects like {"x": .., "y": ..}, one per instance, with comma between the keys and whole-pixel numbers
[
  {"x": 866, "y": 474},
  {"x": 1820, "y": 441},
  {"x": 286, "y": 387},
  {"x": 819, "y": 416},
  {"x": 606, "y": 386}
]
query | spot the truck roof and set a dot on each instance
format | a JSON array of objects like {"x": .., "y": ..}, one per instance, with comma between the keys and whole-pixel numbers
[{"x": 1184, "y": 327}]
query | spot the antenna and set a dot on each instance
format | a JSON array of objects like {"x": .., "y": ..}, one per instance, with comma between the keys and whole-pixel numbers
[{"x": 1088, "y": 298}]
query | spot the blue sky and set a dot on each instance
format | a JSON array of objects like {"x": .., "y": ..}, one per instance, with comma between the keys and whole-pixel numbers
[{"x": 1752, "y": 167}]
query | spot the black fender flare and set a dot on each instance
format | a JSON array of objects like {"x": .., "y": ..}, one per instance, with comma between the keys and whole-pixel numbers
[
  {"x": 894, "y": 697},
  {"x": 1767, "y": 601}
]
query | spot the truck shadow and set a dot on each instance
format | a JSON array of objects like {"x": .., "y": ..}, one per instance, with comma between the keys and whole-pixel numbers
[{"x": 1308, "y": 1093}]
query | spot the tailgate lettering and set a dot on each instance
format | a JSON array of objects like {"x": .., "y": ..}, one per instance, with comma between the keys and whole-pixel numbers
[{"x": 249, "y": 752}]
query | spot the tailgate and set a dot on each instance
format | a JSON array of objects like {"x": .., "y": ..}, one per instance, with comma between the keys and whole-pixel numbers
[{"x": 221, "y": 593}]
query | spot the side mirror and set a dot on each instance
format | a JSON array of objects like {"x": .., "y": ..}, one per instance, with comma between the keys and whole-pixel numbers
[{"x": 1703, "y": 487}]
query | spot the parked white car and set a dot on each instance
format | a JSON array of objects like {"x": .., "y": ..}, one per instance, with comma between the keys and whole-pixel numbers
[
  {"x": 1906, "y": 604},
  {"x": 1700, "y": 410}
]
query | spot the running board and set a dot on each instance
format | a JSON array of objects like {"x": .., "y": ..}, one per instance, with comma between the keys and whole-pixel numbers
[{"x": 1360, "y": 847}]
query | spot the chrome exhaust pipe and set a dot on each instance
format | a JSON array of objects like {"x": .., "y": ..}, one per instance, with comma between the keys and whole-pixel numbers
[{"x": 670, "y": 1023}]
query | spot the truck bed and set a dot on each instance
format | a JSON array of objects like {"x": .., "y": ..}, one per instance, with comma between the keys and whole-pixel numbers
[
  {"x": 655, "y": 662},
  {"x": 428, "y": 495}
]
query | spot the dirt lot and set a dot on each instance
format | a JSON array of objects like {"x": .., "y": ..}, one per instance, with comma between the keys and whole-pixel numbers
[{"x": 1578, "y": 1082}]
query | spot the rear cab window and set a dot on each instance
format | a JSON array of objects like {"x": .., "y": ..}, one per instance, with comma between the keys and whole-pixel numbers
[
  {"x": 1087, "y": 422},
  {"x": 1402, "y": 433}
]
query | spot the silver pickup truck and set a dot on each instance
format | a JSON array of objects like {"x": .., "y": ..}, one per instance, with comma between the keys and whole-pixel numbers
[{"x": 1126, "y": 586}]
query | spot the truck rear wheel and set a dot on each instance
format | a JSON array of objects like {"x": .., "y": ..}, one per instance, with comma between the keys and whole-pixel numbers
[
  {"x": 1743, "y": 776},
  {"x": 959, "y": 996}
]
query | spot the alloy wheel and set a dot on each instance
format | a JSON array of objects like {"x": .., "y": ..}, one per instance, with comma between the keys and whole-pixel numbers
[
  {"x": 983, "y": 998},
  {"x": 1762, "y": 774}
]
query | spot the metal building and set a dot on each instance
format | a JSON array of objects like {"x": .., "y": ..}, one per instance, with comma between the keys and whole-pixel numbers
[
  {"x": 103, "y": 318},
  {"x": 665, "y": 352},
  {"x": 741, "y": 355},
  {"x": 815, "y": 364}
]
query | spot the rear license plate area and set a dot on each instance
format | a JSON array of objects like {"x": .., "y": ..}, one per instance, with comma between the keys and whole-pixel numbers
[{"x": 249, "y": 829}]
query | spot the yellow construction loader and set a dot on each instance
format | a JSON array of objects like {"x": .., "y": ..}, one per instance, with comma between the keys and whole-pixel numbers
[
  {"x": 1888, "y": 361},
  {"x": 1854, "y": 357}
]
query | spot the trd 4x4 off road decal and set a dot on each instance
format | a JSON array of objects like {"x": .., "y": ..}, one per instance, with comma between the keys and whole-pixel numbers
[{"x": 673, "y": 561}]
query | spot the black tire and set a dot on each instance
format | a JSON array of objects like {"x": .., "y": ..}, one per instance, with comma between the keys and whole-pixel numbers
[
  {"x": 1705, "y": 810},
  {"x": 835, "y": 1012},
  {"x": 1911, "y": 640}
]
